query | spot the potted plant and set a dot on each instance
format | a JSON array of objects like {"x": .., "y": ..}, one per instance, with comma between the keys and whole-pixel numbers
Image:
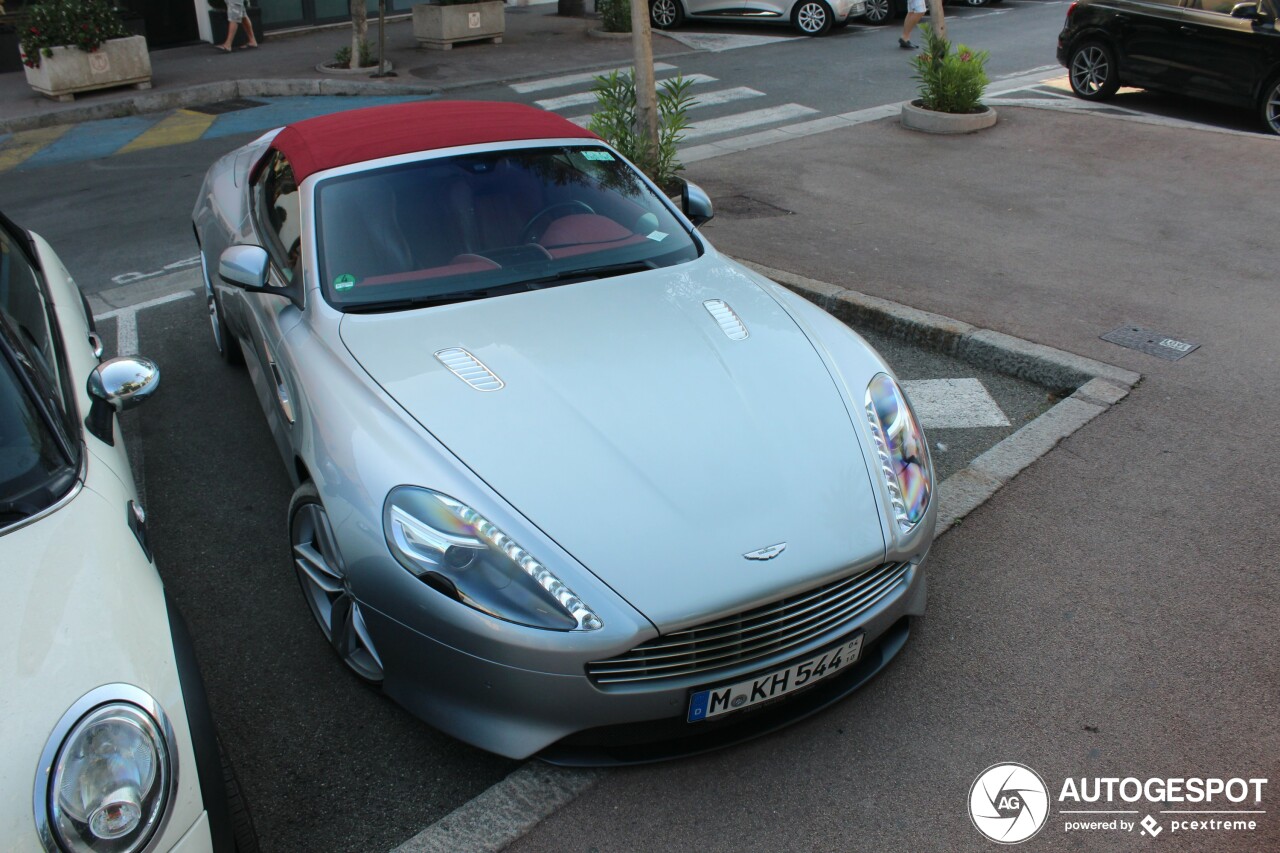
[
  {"x": 952, "y": 80},
  {"x": 441, "y": 24},
  {"x": 71, "y": 46}
]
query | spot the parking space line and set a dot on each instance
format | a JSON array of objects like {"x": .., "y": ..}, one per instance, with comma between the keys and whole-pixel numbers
[
  {"x": 576, "y": 79},
  {"x": 26, "y": 143},
  {"x": 505, "y": 812},
  {"x": 181, "y": 127},
  {"x": 127, "y": 320}
]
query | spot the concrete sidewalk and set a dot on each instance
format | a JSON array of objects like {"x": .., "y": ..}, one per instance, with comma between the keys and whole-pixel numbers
[{"x": 537, "y": 43}]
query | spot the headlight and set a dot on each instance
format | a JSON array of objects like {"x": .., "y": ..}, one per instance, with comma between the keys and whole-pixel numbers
[
  {"x": 457, "y": 551},
  {"x": 903, "y": 454},
  {"x": 106, "y": 788}
]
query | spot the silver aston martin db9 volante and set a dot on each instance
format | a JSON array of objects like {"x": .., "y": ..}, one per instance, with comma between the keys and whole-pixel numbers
[{"x": 569, "y": 481}]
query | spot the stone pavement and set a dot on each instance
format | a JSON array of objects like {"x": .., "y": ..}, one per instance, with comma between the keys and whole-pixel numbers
[{"x": 537, "y": 43}]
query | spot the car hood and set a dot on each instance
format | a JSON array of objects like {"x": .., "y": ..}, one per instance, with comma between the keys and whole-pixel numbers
[{"x": 637, "y": 434}]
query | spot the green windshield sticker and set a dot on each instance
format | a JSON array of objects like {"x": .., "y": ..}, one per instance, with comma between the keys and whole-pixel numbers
[
  {"x": 597, "y": 155},
  {"x": 657, "y": 236},
  {"x": 346, "y": 281}
]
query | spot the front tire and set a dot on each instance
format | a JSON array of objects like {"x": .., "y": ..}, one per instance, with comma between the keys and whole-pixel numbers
[
  {"x": 1270, "y": 110},
  {"x": 666, "y": 14},
  {"x": 228, "y": 347},
  {"x": 813, "y": 17},
  {"x": 322, "y": 576},
  {"x": 1092, "y": 71}
]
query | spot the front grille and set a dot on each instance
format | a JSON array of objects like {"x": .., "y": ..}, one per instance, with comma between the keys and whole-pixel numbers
[{"x": 771, "y": 630}]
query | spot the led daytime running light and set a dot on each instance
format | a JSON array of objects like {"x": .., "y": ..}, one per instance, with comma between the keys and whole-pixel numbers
[
  {"x": 587, "y": 620},
  {"x": 907, "y": 511}
]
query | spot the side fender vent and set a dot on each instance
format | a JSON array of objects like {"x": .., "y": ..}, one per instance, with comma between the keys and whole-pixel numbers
[{"x": 469, "y": 369}]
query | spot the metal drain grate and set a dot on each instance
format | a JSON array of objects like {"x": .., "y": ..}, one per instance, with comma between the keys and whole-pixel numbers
[
  {"x": 1152, "y": 343},
  {"x": 222, "y": 107}
]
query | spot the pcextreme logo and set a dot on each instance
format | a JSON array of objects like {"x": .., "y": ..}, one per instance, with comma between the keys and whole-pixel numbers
[{"x": 1009, "y": 803}]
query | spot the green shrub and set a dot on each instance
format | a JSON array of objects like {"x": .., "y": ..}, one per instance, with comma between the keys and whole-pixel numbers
[
  {"x": 342, "y": 57},
  {"x": 85, "y": 24},
  {"x": 615, "y": 15},
  {"x": 952, "y": 78},
  {"x": 615, "y": 121}
]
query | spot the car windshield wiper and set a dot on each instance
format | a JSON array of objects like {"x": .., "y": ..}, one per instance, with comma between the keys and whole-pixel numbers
[
  {"x": 421, "y": 301},
  {"x": 588, "y": 273}
]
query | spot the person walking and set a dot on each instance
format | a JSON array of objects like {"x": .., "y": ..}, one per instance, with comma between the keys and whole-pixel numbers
[
  {"x": 915, "y": 11},
  {"x": 236, "y": 16}
]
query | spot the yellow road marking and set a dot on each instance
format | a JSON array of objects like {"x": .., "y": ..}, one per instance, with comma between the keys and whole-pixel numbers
[
  {"x": 26, "y": 143},
  {"x": 178, "y": 129}
]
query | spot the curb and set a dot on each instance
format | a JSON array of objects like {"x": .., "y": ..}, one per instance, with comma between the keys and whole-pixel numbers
[{"x": 208, "y": 93}]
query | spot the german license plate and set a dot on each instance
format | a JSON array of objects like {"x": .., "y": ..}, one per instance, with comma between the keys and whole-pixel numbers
[{"x": 708, "y": 704}]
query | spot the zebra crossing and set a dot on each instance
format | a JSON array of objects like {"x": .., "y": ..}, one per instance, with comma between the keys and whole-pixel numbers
[{"x": 571, "y": 95}]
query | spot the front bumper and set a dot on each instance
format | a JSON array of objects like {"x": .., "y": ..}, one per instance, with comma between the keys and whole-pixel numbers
[{"x": 516, "y": 712}]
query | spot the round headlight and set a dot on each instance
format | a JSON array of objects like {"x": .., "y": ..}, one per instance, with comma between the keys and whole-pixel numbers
[{"x": 108, "y": 784}]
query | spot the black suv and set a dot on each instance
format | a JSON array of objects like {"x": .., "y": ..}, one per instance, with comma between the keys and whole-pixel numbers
[{"x": 1221, "y": 50}]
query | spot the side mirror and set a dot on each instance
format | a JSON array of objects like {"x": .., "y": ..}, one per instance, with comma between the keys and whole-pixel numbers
[
  {"x": 244, "y": 266},
  {"x": 696, "y": 204},
  {"x": 1244, "y": 10},
  {"x": 116, "y": 385}
]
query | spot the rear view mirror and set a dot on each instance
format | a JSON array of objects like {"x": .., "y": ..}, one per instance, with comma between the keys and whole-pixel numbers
[
  {"x": 696, "y": 204},
  {"x": 244, "y": 266},
  {"x": 116, "y": 385}
]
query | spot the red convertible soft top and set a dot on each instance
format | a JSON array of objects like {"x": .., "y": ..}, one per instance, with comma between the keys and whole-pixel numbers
[{"x": 339, "y": 139}]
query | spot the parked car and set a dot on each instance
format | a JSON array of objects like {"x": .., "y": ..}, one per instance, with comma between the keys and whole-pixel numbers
[
  {"x": 883, "y": 11},
  {"x": 810, "y": 17},
  {"x": 108, "y": 743},
  {"x": 567, "y": 480},
  {"x": 1219, "y": 50}
]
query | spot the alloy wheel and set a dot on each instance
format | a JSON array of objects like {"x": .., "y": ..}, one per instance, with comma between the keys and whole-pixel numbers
[
  {"x": 813, "y": 18},
  {"x": 320, "y": 572},
  {"x": 1271, "y": 108},
  {"x": 664, "y": 13},
  {"x": 1090, "y": 71},
  {"x": 877, "y": 11}
]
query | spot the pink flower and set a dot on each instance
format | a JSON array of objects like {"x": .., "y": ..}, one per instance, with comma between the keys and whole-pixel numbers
[{"x": 966, "y": 56}]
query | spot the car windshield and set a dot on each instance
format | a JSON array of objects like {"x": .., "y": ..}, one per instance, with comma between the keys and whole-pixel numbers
[
  {"x": 479, "y": 225},
  {"x": 34, "y": 472}
]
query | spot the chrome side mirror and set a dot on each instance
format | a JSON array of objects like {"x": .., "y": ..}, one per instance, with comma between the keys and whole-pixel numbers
[
  {"x": 116, "y": 385},
  {"x": 245, "y": 266},
  {"x": 696, "y": 204}
]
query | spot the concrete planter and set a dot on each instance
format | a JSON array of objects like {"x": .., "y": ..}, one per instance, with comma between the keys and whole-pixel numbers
[
  {"x": 916, "y": 117},
  {"x": 118, "y": 62},
  {"x": 440, "y": 27}
]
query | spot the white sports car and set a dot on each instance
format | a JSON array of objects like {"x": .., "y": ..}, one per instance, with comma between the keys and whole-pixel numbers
[
  {"x": 569, "y": 482},
  {"x": 108, "y": 744}
]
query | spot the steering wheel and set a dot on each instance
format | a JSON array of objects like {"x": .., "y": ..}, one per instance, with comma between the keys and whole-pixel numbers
[{"x": 531, "y": 230}]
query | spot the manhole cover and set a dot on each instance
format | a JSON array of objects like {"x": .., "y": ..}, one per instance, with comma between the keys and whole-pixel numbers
[
  {"x": 221, "y": 107},
  {"x": 745, "y": 207},
  {"x": 1152, "y": 343}
]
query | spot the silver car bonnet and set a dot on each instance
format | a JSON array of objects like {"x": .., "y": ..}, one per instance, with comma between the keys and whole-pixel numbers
[{"x": 636, "y": 432}]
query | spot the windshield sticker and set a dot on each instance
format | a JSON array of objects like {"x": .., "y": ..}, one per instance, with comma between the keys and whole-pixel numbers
[
  {"x": 598, "y": 155},
  {"x": 656, "y": 236},
  {"x": 346, "y": 281}
]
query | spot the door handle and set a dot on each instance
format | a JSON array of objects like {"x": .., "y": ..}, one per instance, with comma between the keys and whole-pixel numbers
[{"x": 1187, "y": 31}]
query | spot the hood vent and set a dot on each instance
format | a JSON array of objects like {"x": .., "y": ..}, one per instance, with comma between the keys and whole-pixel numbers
[
  {"x": 469, "y": 369},
  {"x": 728, "y": 320}
]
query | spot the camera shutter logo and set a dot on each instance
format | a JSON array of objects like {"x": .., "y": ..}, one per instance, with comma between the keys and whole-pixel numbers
[{"x": 1009, "y": 803}]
